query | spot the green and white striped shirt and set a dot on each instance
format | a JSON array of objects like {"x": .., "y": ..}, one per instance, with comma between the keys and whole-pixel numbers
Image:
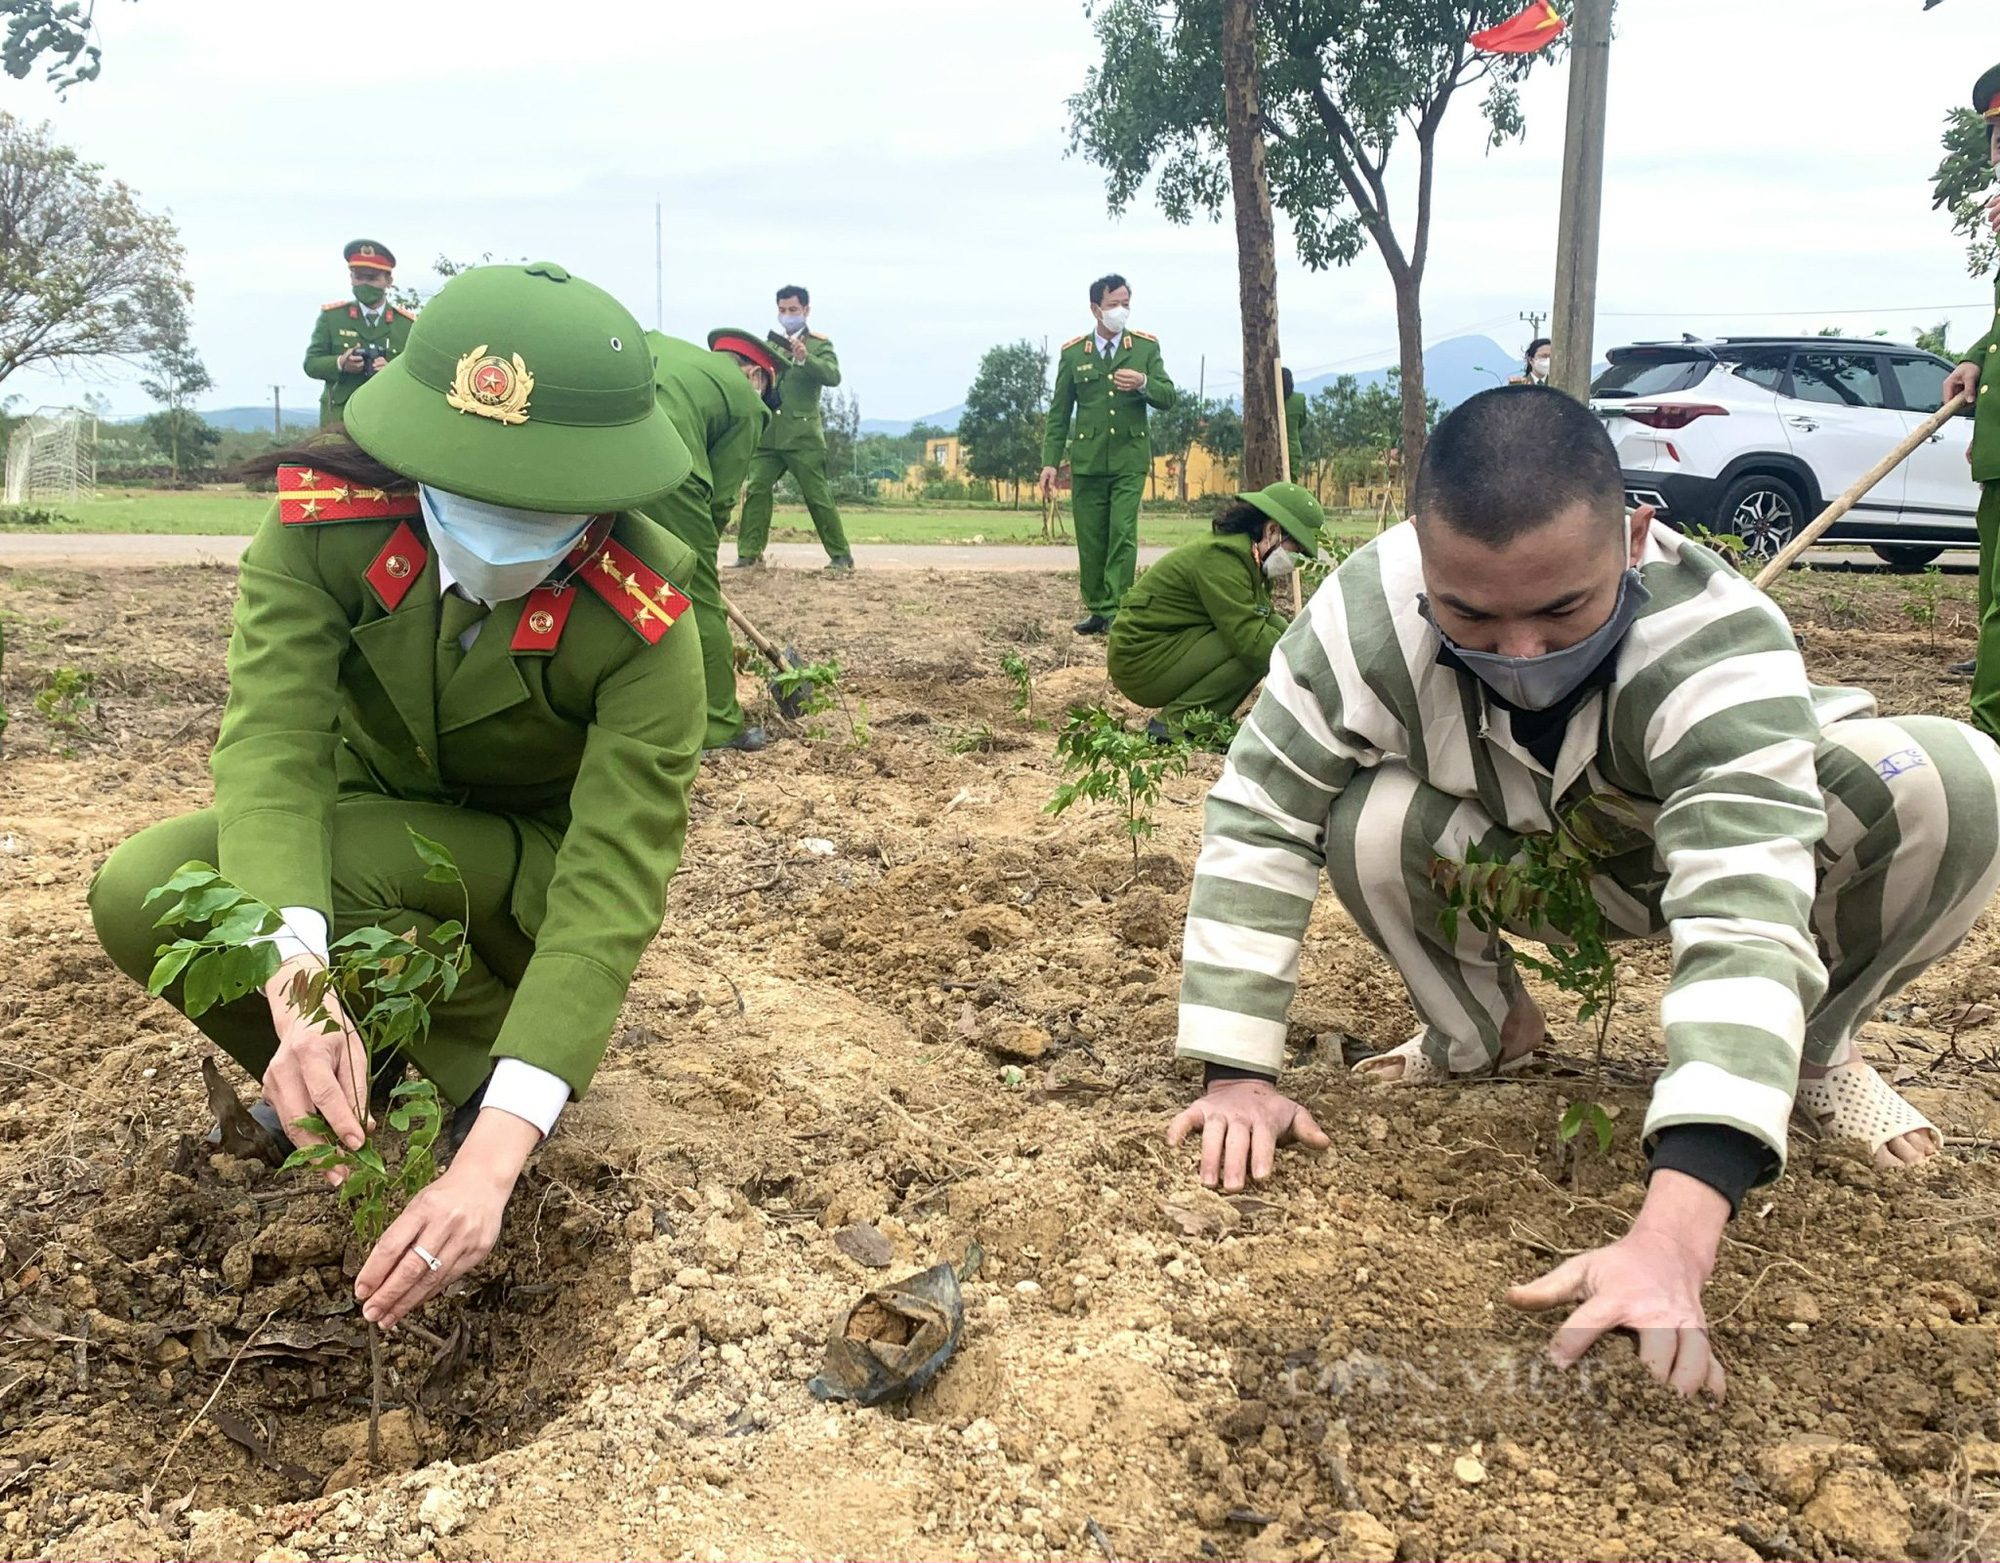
[{"x": 1708, "y": 731}]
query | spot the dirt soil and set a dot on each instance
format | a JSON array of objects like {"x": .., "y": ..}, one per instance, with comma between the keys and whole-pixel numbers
[{"x": 891, "y": 991}]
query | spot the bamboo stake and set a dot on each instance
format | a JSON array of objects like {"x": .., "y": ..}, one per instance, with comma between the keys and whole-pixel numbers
[
  {"x": 1785, "y": 556},
  {"x": 1296, "y": 591}
]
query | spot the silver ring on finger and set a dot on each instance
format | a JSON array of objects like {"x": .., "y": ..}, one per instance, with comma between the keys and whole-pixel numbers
[{"x": 427, "y": 1256}]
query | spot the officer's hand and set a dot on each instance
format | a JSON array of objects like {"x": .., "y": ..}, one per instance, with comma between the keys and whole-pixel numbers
[
  {"x": 315, "y": 1070},
  {"x": 1242, "y": 1123},
  {"x": 1127, "y": 379},
  {"x": 798, "y": 345},
  {"x": 1965, "y": 378},
  {"x": 455, "y": 1220},
  {"x": 351, "y": 360},
  {"x": 380, "y": 364},
  {"x": 1048, "y": 483}
]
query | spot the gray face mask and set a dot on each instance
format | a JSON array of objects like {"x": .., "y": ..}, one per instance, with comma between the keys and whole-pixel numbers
[{"x": 1536, "y": 683}]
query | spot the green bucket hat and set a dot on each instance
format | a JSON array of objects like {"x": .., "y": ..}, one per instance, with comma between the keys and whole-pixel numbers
[
  {"x": 524, "y": 386},
  {"x": 1294, "y": 509}
]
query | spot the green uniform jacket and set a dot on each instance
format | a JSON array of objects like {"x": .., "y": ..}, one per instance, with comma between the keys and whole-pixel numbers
[
  {"x": 589, "y": 748},
  {"x": 1110, "y": 435},
  {"x": 341, "y": 326},
  {"x": 1213, "y": 582},
  {"x": 1986, "y": 406},
  {"x": 1295, "y": 432},
  {"x": 797, "y": 425},
  {"x": 715, "y": 410}
]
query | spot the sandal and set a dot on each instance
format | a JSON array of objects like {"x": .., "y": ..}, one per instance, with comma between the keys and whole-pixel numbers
[
  {"x": 1419, "y": 1070},
  {"x": 1854, "y": 1102}
]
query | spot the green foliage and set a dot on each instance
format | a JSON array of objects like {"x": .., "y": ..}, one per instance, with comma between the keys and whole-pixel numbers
[
  {"x": 65, "y": 700},
  {"x": 61, "y": 29},
  {"x": 385, "y": 983},
  {"x": 819, "y": 685},
  {"x": 183, "y": 437},
  {"x": 1921, "y": 600},
  {"x": 1730, "y": 547},
  {"x": 973, "y": 738},
  {"x": 1961, "y": 185},
  {"x": 1175, "y": 430},
  {"x": 1015, "y": 666},
  {"x": 1579, "y": 1114},
  {"x": 1938, "y": 340},
  {"x": 84, "y": 272},
  {"x": 1004, "y": 413},
  {"x": 1109, "y": 762},
  {"x": 1545, "y": 889},
  {"x": 840, "y": 413},
  {"x": 33, "y": 515}
]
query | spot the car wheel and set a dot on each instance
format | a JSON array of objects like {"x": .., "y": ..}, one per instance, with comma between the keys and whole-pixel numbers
[
  {"x": 1905, "y": 558},
  {"x": 1764, "y": 511}
]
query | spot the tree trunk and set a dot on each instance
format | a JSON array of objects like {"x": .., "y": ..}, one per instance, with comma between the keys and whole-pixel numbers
[
  {"x": 1410, "y": 352},
  {"x": 1256, "y": 256}
]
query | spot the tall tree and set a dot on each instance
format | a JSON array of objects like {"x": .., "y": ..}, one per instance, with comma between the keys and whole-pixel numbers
[
  {"x": 840, "y": 411},
  {"x": 175, "y": 376},
  {"x": 84, "y": 273},
  {"x": 1341, "y": 81},
  {"x": 1004, "y": 410},
  {"x": 1962, "y": 186},
  {"x": 1256, "y": 248}
]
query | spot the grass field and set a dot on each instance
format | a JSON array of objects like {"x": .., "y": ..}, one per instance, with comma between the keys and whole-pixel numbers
[{"x": 229, "y": 511}]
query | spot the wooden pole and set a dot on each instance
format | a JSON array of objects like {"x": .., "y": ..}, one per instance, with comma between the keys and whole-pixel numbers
[
  {"x": 1284, "y": 424},
  {"x": 1572, "y": 328},
  {"x": 1875, "y": 474}
]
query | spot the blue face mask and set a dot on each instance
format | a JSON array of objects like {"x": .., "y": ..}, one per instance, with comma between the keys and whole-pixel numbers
[
  {"x": 495, "y": 553},
  {"x": 791, "y": 324},
  {"x": 1536, "y": 683}
]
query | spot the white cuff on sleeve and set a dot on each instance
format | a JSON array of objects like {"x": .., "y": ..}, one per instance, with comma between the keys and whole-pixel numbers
[
  {"x": 520, "y": 1088},
  {"x": 303, "y": 933}
]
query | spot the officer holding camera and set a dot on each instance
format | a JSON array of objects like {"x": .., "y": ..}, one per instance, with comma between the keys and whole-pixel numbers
[{"x": 356, "y": 336}]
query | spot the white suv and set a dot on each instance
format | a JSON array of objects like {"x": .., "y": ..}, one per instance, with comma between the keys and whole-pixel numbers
[{"x": 1755, "y": 435}]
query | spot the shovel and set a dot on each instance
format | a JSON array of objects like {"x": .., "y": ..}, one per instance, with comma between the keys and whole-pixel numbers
[{"x": 791, "y": 702}]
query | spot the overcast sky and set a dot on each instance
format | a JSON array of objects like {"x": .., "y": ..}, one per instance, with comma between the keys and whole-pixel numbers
[{"x": 1767, "y": 169}]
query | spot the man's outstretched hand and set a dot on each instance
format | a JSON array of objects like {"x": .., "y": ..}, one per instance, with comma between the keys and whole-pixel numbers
[
  {"x": 1650, "y": 1282},
  {"x": 1242, "y": 1124}
]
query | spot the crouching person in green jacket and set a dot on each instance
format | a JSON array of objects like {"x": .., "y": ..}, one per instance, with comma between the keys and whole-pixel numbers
[
  {"x": 1195, "y": 632},
  {"x": 455, "y": 621}
]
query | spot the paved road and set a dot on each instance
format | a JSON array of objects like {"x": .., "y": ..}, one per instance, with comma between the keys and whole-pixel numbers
[{"x": 135, "y": 550}]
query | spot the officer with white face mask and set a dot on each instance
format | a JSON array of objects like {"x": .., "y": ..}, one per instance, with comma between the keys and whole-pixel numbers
[{"x": 1196, "y": 631}]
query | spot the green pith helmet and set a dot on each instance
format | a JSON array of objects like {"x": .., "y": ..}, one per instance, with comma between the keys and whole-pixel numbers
[
  {"x": 1294, "y": 509},
  {"x": 744, "y": 344},
  {"x": 1986, "y": 96},
  {"x": 524, "y": 386}
]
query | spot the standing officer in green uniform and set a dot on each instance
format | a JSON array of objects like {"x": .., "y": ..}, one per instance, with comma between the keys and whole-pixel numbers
[
  {"x": 1107, "y": 377},
  {"x": 1295, "y": 427},
  {"x": 355, "y": 338},
  {"x": 1196, "y": 632},
  {"x": 1973, "y": 379},
  {"x": 796, "y": 439},
  {"x": 716, "y": 397},
  {"x": 455, "y": 621}
]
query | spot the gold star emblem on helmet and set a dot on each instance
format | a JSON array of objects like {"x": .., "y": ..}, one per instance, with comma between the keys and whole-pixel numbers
[{"x": 489, "y": 386}]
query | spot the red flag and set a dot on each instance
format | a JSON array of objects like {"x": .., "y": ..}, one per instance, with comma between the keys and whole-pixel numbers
[{"x": 1535, "y": 28}]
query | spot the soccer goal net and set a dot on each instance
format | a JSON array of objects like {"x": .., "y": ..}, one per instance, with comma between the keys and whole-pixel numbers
[{"x": 52, "y": 455}]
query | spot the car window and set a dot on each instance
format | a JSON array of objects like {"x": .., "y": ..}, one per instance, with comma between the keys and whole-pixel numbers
[
  {"x": 1765, "y": 370},
  {"x": 1649, "y": 375},
  {"x": 1842, "y": 379},
  {"x": 1921, "y": 380}
]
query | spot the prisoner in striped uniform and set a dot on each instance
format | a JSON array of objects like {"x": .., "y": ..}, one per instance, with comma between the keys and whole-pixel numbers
[{"x": 1521, "y": 648}]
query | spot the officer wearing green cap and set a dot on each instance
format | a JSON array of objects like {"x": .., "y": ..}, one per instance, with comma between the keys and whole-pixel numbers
[
  {"x": 355, "y": 338},
  {"x": 719, "y": 398},
  {"x": 796, "y": 440},
  {"x": 1976, "y": 376},
  {"x": 455, "y": 621},
  {"x": 1196, "y": 632},
  {"x": 1107, "y": 378}
]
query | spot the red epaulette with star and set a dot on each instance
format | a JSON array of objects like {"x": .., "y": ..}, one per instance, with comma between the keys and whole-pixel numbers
[
  {"x": 633, "y": 589},
  {"x": 307, "y": 497}
]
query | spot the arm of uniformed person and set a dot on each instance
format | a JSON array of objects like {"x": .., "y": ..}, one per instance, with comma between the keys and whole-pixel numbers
[
  {"x": 628, "y": 808},
  {"x": 323, "y": 352},
  {"x": 1159, "y": 387},
  {"x": 1241, "y": 614},
  {"x": 1055, "y": 427},
  {"x": 821, "y": 364}
]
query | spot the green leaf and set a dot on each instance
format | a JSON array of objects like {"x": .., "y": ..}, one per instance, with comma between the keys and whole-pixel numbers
[
  {"x": 436, "y": 856},
  {"x": 201, "y": 985},
  {"x": 173, "y": 958}
]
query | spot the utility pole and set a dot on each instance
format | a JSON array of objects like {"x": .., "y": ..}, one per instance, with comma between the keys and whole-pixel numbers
[
  {"x": 1572, "y": 329},
  {"x": 659, "y": 273},
  {"x": 277, "y": 413},
  {"x": 1534, "y": 322}
]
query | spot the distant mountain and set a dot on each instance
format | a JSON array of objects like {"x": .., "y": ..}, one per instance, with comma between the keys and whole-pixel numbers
[
  {"x": 1453, "y": 370},
  {"x": 302, "y": 413},
  {"x": 948, "y": 419}
]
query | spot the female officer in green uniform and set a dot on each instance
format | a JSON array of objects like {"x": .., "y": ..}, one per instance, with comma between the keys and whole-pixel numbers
[
  {"x": 1195, "y": 632},
  {"x": 455, "y": 621}
]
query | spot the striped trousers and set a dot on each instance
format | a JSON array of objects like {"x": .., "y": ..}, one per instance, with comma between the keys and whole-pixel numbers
[{"x": 1910, "y": 857}]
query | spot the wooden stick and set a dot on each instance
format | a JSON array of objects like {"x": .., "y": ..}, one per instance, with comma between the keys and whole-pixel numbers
[
  {"x": 757, "y": 637},
  {"x": 1296, "y": 590},
  {"x": 1875, "y": 474},
  {"x": 146, "y": 1493}
]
